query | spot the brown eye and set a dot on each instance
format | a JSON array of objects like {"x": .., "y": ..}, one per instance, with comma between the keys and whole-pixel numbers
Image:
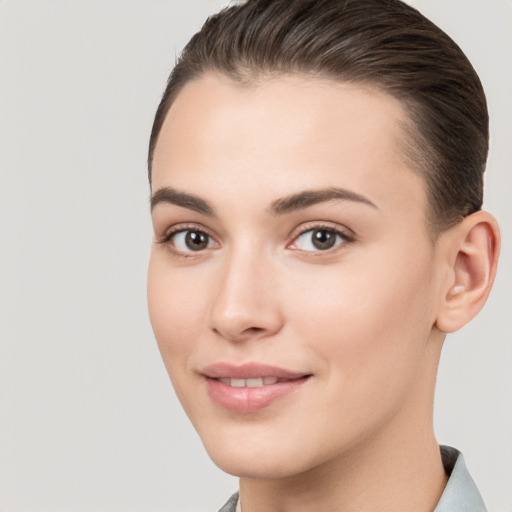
[
  {"x": 323, "y": 239},
  {"x": 191, "y": 240},
  {"x": 196, "y": 241},
  {"x": 320, "y": 239}
]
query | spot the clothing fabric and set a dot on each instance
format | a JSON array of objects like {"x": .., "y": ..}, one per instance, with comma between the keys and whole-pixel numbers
[{"x": 459, "y": 495}]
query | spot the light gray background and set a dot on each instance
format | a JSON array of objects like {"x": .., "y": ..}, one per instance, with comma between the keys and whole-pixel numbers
[{"x": 88, "y": 421}]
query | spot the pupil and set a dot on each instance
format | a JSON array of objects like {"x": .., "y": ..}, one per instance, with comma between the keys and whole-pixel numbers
[
  {"x": 323, "y": 239},
  {"x": 196, "y": 240}
]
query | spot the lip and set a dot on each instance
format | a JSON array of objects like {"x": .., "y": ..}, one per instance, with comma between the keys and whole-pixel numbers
[
  {"x": 248, "y": 371},
  {"x": 250, "y": 399}
]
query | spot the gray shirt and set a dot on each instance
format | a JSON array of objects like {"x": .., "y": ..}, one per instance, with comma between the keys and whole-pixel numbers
[{"x": 459, "y": 495}]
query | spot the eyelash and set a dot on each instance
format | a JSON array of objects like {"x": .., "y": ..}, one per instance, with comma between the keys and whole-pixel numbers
[
  {"x": 181, "y": 228},
  {"x": 344, "y": 235}
]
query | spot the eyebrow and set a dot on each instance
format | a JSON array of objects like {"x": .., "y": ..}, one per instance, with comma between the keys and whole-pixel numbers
[
  {"x": 170, "y": 196},
  {"x": 284, "y": 205},
  {"x": 309, "y": 198}
]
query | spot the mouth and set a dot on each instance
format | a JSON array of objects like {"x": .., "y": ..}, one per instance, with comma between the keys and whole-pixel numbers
[
  {"x": 256, "y": 382},
  {"x": 250, "y": 387}
]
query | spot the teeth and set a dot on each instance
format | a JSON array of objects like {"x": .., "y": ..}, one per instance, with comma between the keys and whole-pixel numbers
[
  {"x": 249, "y": 383},
  {"x": 254, "y": 383}
]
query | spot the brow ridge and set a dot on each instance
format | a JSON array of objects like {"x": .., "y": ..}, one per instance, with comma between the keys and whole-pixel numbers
[
  {"x": 283, "y": 205},
  {"x": 309, "y": 198},
  {"x": 191, "y": 202}
]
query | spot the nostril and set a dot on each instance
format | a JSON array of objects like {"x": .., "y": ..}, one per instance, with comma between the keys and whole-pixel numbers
[
  {"x": 241, "y": 335},
  {"x": 254, "y": 330}
]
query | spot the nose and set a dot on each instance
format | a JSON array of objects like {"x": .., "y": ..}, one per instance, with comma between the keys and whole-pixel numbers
[{"x": 246, "y": 305}]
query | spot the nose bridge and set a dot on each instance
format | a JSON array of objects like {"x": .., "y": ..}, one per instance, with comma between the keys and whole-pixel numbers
[{"x": 246, "y": 301}]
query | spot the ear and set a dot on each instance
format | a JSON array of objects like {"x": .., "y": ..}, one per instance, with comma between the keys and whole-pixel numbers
[{"x": 473, "y": 258}]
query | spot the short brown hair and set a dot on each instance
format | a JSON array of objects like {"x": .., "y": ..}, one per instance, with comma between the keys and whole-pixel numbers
[{"x": 384, "y": 43}]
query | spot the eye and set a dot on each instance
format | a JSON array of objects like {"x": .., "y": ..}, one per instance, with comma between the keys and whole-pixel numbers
[
  {"x": 319, "y": 239},
  {"x": 190, "y": 240}
]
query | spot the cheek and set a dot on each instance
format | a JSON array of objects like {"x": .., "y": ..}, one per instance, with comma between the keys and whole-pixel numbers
[
  {"x": 369, "y": 325},
  {"x": 176, "y": 309}
]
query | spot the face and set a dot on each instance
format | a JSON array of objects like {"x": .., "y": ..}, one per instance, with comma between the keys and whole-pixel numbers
[{"x": 292, "y": 281}]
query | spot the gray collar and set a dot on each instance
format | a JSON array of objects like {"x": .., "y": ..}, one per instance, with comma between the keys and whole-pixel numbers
[{"x": 459, "y": 495}]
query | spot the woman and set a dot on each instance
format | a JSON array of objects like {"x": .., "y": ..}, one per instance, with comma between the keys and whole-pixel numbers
[{"x": 316, "y": 173}]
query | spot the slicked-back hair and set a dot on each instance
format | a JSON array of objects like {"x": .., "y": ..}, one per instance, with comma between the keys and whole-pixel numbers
[{"x": 382, "y": 43}]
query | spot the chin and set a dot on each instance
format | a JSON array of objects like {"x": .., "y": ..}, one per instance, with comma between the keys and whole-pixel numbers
[
  {"x": 264, "y": 458},
  {"x": 255, "y": 465}
]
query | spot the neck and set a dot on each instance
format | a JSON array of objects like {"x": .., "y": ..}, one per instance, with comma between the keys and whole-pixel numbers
[
  {"x": 398, "y": 469},
  {"x": 400, "y": 480}
]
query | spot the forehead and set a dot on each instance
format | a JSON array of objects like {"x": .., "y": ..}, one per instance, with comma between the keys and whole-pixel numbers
[{"x": 284, "y": 133}]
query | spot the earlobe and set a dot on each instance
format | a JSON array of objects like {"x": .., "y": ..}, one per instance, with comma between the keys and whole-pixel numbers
[{"x": 473, "y": 258}]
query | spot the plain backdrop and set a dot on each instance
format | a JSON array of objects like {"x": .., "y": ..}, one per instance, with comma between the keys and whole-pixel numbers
[{"x": 88, "y": 419}]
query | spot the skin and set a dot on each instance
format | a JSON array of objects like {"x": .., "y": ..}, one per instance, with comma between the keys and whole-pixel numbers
[{"x": 366, "y": 318}]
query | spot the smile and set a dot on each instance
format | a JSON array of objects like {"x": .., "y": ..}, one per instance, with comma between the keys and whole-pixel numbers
[
  {"x": 250, "y": 383},
  {"x": 250, "y": 387}
]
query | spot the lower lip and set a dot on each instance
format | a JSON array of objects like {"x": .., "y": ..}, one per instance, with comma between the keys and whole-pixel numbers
[{"x": 250, "y": 399}]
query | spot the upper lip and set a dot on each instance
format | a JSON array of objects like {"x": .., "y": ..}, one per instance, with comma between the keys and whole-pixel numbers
[{"x": 249, "y": 371}]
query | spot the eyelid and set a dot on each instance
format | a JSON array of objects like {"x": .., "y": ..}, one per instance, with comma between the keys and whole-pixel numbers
[
  {"x": 169, "y": 233},
  {"x": 186, "y": 226},
  {"x": 347, "y": 234}
]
